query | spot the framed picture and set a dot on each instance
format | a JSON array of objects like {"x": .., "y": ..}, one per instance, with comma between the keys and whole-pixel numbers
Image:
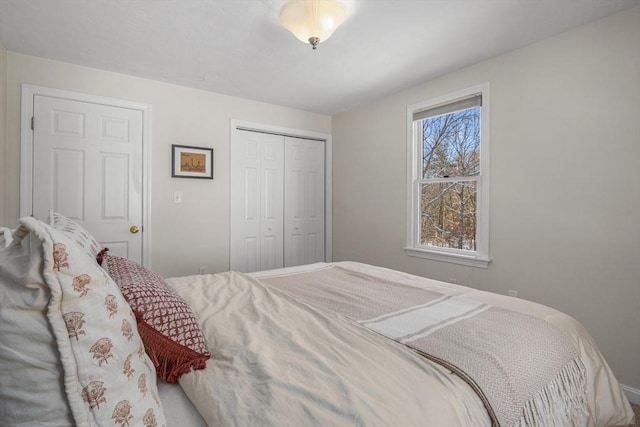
[{"x": 191, "y": 162}]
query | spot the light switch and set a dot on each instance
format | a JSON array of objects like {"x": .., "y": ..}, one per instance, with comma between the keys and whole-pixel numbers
[{"x": 177, "y": 197}]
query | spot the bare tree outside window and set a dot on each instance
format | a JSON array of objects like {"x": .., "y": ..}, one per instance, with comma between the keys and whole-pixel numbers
[{"x": 448, "y": 189}]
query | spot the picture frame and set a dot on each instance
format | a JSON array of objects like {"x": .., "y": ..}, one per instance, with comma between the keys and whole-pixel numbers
[{"x": 191, "y": 162}]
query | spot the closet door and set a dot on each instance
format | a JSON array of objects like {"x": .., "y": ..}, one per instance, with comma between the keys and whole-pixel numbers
[
  {"x": 257, "y": 203},
  {"x": 304, "y": 194}
]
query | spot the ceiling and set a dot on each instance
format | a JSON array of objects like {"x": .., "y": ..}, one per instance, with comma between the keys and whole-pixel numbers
[{"x": 238, "y": 48}]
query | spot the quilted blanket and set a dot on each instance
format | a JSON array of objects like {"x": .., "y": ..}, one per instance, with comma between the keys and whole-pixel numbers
[{"x": 525, "y": 370}]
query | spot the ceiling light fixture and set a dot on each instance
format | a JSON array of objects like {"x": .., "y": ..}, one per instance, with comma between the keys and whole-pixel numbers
[{"x": 312, "y": 21}]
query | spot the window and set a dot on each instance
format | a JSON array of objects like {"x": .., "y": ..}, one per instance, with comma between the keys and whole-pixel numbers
[{"x": 448, "y": 178}]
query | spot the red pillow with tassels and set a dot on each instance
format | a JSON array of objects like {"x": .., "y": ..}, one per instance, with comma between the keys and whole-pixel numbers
[{"x": 168, "y": 327}]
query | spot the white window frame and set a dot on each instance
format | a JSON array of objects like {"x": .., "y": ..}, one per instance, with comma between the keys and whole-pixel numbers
[{"x": 479, "y": 257}]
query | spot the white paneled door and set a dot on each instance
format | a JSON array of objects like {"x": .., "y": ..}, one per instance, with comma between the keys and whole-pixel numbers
[
  {"x": 87, "y": 165},
  {"x": 257, "y": 202},
  {"x": 277, "y": 201},
  {"x": 304, "y": 201}
]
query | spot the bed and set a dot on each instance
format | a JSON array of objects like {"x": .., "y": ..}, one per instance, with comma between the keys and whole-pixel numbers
[{"x": 329, "y": 344}]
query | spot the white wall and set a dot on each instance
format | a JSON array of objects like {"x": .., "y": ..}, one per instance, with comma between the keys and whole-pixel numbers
[
  {"x": 565, "y": 180},
  {"x": 184, "y": 236},
  {"x": 3, "y": 117}
]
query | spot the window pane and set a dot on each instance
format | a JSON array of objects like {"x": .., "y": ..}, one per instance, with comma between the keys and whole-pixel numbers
[
  {"x": 448, "y": 215},
  {"x": 451, "y": 144}
]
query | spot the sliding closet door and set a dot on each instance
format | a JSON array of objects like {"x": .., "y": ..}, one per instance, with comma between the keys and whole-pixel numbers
[
  {"x": 304, "y": 193},
  {"x": 257, "y": 203}
]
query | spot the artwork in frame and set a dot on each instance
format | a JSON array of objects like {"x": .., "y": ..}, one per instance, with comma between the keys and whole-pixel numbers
[{"x": 191, "y": 162}]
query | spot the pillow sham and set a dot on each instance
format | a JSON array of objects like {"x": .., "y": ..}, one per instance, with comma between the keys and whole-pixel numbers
[
  {"x": 6, "y": 236},
  {"x": 31, "y": 387},
  {"x": 107, "y": 377},
  {"x": 75, "y": 232},
  {"x": 169, "y": 329}
]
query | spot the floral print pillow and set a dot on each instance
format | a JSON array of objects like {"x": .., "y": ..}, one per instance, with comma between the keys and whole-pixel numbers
[
  {"x": 109, "y": 379},
  {"x": 75, "y": 232}
]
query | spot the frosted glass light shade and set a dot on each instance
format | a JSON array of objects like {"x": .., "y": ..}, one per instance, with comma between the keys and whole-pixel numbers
[{"x": 312, "y": 21}]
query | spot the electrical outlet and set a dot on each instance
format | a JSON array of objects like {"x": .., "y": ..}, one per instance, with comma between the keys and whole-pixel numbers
[
  {"x": 177, "y": 197},
  {"x": 512, "y": 293},
  {"x": 202, "y": 270}
]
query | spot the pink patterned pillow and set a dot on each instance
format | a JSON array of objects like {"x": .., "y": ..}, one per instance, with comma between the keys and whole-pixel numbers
[{"x": 169, "y": 329}]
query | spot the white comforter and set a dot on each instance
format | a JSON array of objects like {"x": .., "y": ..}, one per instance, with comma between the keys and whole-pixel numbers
[
  {"x": 607, "y": 404},
  {"x": 278, "y": 362}
]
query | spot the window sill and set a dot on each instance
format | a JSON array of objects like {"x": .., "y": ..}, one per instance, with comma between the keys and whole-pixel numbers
[{"x": 470, "y": 261}]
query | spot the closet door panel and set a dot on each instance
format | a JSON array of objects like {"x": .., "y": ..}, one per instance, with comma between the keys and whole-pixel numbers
[
  {"x": 272, "y": 209},
  {"x": 256, "y": 202},
  {"x": 304, "y": 201},
  {"x": 315, "y": 194}
]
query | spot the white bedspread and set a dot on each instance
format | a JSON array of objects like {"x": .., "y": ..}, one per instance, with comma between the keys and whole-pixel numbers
[
  {"x": 606, "y": 401},
  {"x": 279, "y": 362}
]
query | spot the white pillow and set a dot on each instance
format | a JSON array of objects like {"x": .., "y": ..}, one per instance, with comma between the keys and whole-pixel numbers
[
  {"x": 31, "y": 387},
  {"x": 107, "y": 377},
  {"x": 6, "y": 236}
]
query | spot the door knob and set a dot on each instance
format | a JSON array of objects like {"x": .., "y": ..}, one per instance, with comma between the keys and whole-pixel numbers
[{"x": 134, "y": 229}]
